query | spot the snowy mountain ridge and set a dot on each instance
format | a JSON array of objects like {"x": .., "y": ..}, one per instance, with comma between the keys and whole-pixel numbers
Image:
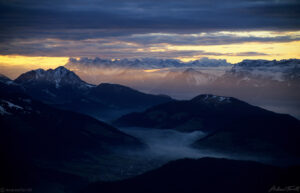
[
  {"x": 264, "y": 69},
  {"x": 60, "y": 76},
  {"x": 144, "y": 63},
  {"x": 211, "y": 99}
]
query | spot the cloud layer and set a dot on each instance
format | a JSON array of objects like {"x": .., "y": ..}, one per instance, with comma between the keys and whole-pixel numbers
[
  {"x": 149, "y": 28},
  {"x": 116, "y": 17}
]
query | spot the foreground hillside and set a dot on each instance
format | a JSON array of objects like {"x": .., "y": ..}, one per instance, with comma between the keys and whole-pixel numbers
[
  {"x": 206, "y": 175},
  {"x": 36, "y": 139}
]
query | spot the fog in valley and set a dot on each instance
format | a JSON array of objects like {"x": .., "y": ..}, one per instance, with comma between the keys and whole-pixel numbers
[
  {"x": 165, "y": 145},
  {"x": 170, "y": 144}
]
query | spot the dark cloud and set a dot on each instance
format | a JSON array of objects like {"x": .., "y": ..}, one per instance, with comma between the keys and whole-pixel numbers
[
  {"x": 203, "y": 39},
  {"x": 250, "y": 54},
  {"x": 116, "y": 17},
  {"x": 36, "y": 27},
  {"x": 106, "y": 48}
]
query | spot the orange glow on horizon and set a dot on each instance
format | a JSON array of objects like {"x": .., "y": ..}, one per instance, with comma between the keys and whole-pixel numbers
[
  {"x": 272, "y": 51},
  {"x": 14, "y": 65},
  {"x": 33, "y": 61},
  {"x": 152, "y": 70}
]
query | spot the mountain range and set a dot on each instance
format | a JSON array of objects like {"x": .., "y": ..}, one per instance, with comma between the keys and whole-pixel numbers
[
  {"x": 63, "y": 89},
  {"x": 263, "y": 73},
  {"x": 239, "y": 124},
  {"x": 232, "y": 125},
  {"x": 37, "y": 139},
  {"x": 50, "y": 139},
  {"x": 280, "y": 71},
  {"x": 252, "y": 74},
  {"x": 143, "y": 63},
  {"x": 273, "y": 84}
]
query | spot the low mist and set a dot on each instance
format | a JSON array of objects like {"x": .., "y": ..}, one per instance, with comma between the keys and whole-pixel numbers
[{"x": 167, "y": 143}]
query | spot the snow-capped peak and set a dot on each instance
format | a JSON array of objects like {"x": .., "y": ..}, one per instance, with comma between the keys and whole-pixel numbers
[
  {"x": 143, "y": 63},
  {"x": 59, "y": 76},
  {"x": 265, "y": 69},
  {"x": 209, "y": 98}
]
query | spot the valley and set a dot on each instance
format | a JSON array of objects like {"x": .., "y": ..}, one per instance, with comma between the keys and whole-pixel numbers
[{"x": 76, "y": 134}]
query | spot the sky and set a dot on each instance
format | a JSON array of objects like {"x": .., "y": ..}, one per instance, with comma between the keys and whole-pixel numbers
[{"x": 43, "y": 33}]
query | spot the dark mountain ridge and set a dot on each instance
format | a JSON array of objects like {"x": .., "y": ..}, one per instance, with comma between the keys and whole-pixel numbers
[
  {"x": 207, "y": 175},
  {"x": 4, "y": 78},
  {"x": 40, "y": 127},
  {"x": 117, "y": 95},
  {"x": 40, "y": 143},
  {"x": 63, "y": 89},
  {"x": 202, "y": 110},
  {"x": 233, "y": 126}
]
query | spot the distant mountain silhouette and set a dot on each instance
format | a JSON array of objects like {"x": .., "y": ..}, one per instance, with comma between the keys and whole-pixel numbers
[
  {"x": 142, "y": 63},
  {"x": 262, "y": 79},
  {"x": 264, "y": 72},
  {"x": 206, "y": 175},
  {"x": 63, "y": 89},
  {"x": 232, "y": 125},
  {"x": 185, "y": 81}
]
